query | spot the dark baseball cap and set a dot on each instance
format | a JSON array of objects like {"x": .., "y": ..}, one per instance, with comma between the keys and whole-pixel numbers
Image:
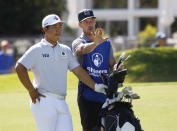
[{"x": 84, "y": 14}]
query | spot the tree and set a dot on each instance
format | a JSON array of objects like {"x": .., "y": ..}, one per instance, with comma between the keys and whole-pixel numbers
[
  {"x": 148, "y": 3},
  {"x": 110, "y": 4},
  {"x": 147, "y": 36},
  {"x": 23, "y": 17}
]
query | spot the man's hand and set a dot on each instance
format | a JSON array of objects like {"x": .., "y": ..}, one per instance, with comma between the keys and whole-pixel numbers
[
  {"x": 35, "y": 95},
  {"x": 98, "y": 36},
  {"x": 100, "y": 88}
]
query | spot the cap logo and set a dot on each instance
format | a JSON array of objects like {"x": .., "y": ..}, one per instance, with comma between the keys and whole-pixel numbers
[
  {"x": 86, "y": 13},
  {"x": 55, "y": 18}
]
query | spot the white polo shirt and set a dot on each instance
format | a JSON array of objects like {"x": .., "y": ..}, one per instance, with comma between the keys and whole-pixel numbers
[{"x": 49, "y": 65}]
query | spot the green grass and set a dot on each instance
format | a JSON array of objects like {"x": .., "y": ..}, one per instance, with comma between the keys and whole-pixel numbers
[
  {"x": 151, "y": 65},
  {"x": 157, "y": 108}
]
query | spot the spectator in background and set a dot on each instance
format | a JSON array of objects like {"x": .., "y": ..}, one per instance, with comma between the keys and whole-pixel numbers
[
  {"x": 6, "y": 60},
  {"x": 161, "y": 40}
]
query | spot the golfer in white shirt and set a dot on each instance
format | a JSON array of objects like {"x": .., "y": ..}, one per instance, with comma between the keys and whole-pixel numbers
[{"x": 49, "y": 61}]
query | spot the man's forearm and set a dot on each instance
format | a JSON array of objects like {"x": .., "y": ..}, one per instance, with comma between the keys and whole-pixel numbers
[
  {"x": 90, "y": 47},
  {"x": 83, "y": 76},
  {"x": 86, "y": 48},
  {"x": 24, "y": 77}
]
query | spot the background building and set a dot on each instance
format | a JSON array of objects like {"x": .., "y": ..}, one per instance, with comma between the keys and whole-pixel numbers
[{"x": 127, "y": 18}]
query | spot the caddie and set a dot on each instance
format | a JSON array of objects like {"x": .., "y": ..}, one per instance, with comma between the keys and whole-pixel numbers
[{"x": 95, "y": 54}]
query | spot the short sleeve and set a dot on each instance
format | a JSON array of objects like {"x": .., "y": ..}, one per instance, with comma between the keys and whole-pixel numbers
[
  {"x": 75, "y": 44},
  {"x": 28, "y": 59},
  {"x": 73, "y": 63}
]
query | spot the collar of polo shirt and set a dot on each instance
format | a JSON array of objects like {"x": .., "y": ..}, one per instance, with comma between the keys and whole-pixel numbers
[{"x": 45, "y": 42}]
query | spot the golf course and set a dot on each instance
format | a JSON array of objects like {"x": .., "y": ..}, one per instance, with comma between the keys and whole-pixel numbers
[{"x": 157, "y": 108}]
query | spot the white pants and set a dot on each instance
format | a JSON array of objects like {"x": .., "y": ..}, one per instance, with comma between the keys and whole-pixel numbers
[{"x": 51, "y": 114}]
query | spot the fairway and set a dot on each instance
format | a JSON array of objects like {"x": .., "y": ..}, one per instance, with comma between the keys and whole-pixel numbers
[
  {"x": 157, "y": 108},
  {"x": 15, "y": 113}
]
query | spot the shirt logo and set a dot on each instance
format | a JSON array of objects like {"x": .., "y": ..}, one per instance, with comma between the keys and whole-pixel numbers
[
  {"x": 87, "y": 13},
  {"x": 97, "y": 59},
  {"x": 63, "y": 54},
  {"x": 45, "y": 55}
]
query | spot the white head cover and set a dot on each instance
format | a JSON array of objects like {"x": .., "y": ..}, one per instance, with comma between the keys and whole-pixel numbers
[
  {"x": 50, "y": 20},
  {"x": 160, "y": 35}
]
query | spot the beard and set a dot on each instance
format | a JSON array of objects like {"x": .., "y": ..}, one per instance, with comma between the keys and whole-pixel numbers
[{"x": 89, "y": 31}]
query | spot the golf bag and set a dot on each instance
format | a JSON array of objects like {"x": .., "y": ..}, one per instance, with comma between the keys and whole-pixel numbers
[{"x": 116, "y": 113}]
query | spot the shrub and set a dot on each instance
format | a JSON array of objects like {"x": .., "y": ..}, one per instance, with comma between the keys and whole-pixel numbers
[
  {"x": 146, "y": 37},
  {"x": 151, "y": 65}
]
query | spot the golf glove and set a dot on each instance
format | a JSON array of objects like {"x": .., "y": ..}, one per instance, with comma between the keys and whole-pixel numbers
[{"x": 100, "y": 88}]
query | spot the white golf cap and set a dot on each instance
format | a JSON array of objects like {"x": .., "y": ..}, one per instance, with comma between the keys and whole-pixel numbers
[
  {"x": 160, "y": 35},
  {"x": 50, "y": 20}
]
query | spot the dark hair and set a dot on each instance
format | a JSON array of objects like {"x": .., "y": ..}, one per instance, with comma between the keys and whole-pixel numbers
[
  {"x": 43, "y": 33},
  {"x": 47, "y": 26}
]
